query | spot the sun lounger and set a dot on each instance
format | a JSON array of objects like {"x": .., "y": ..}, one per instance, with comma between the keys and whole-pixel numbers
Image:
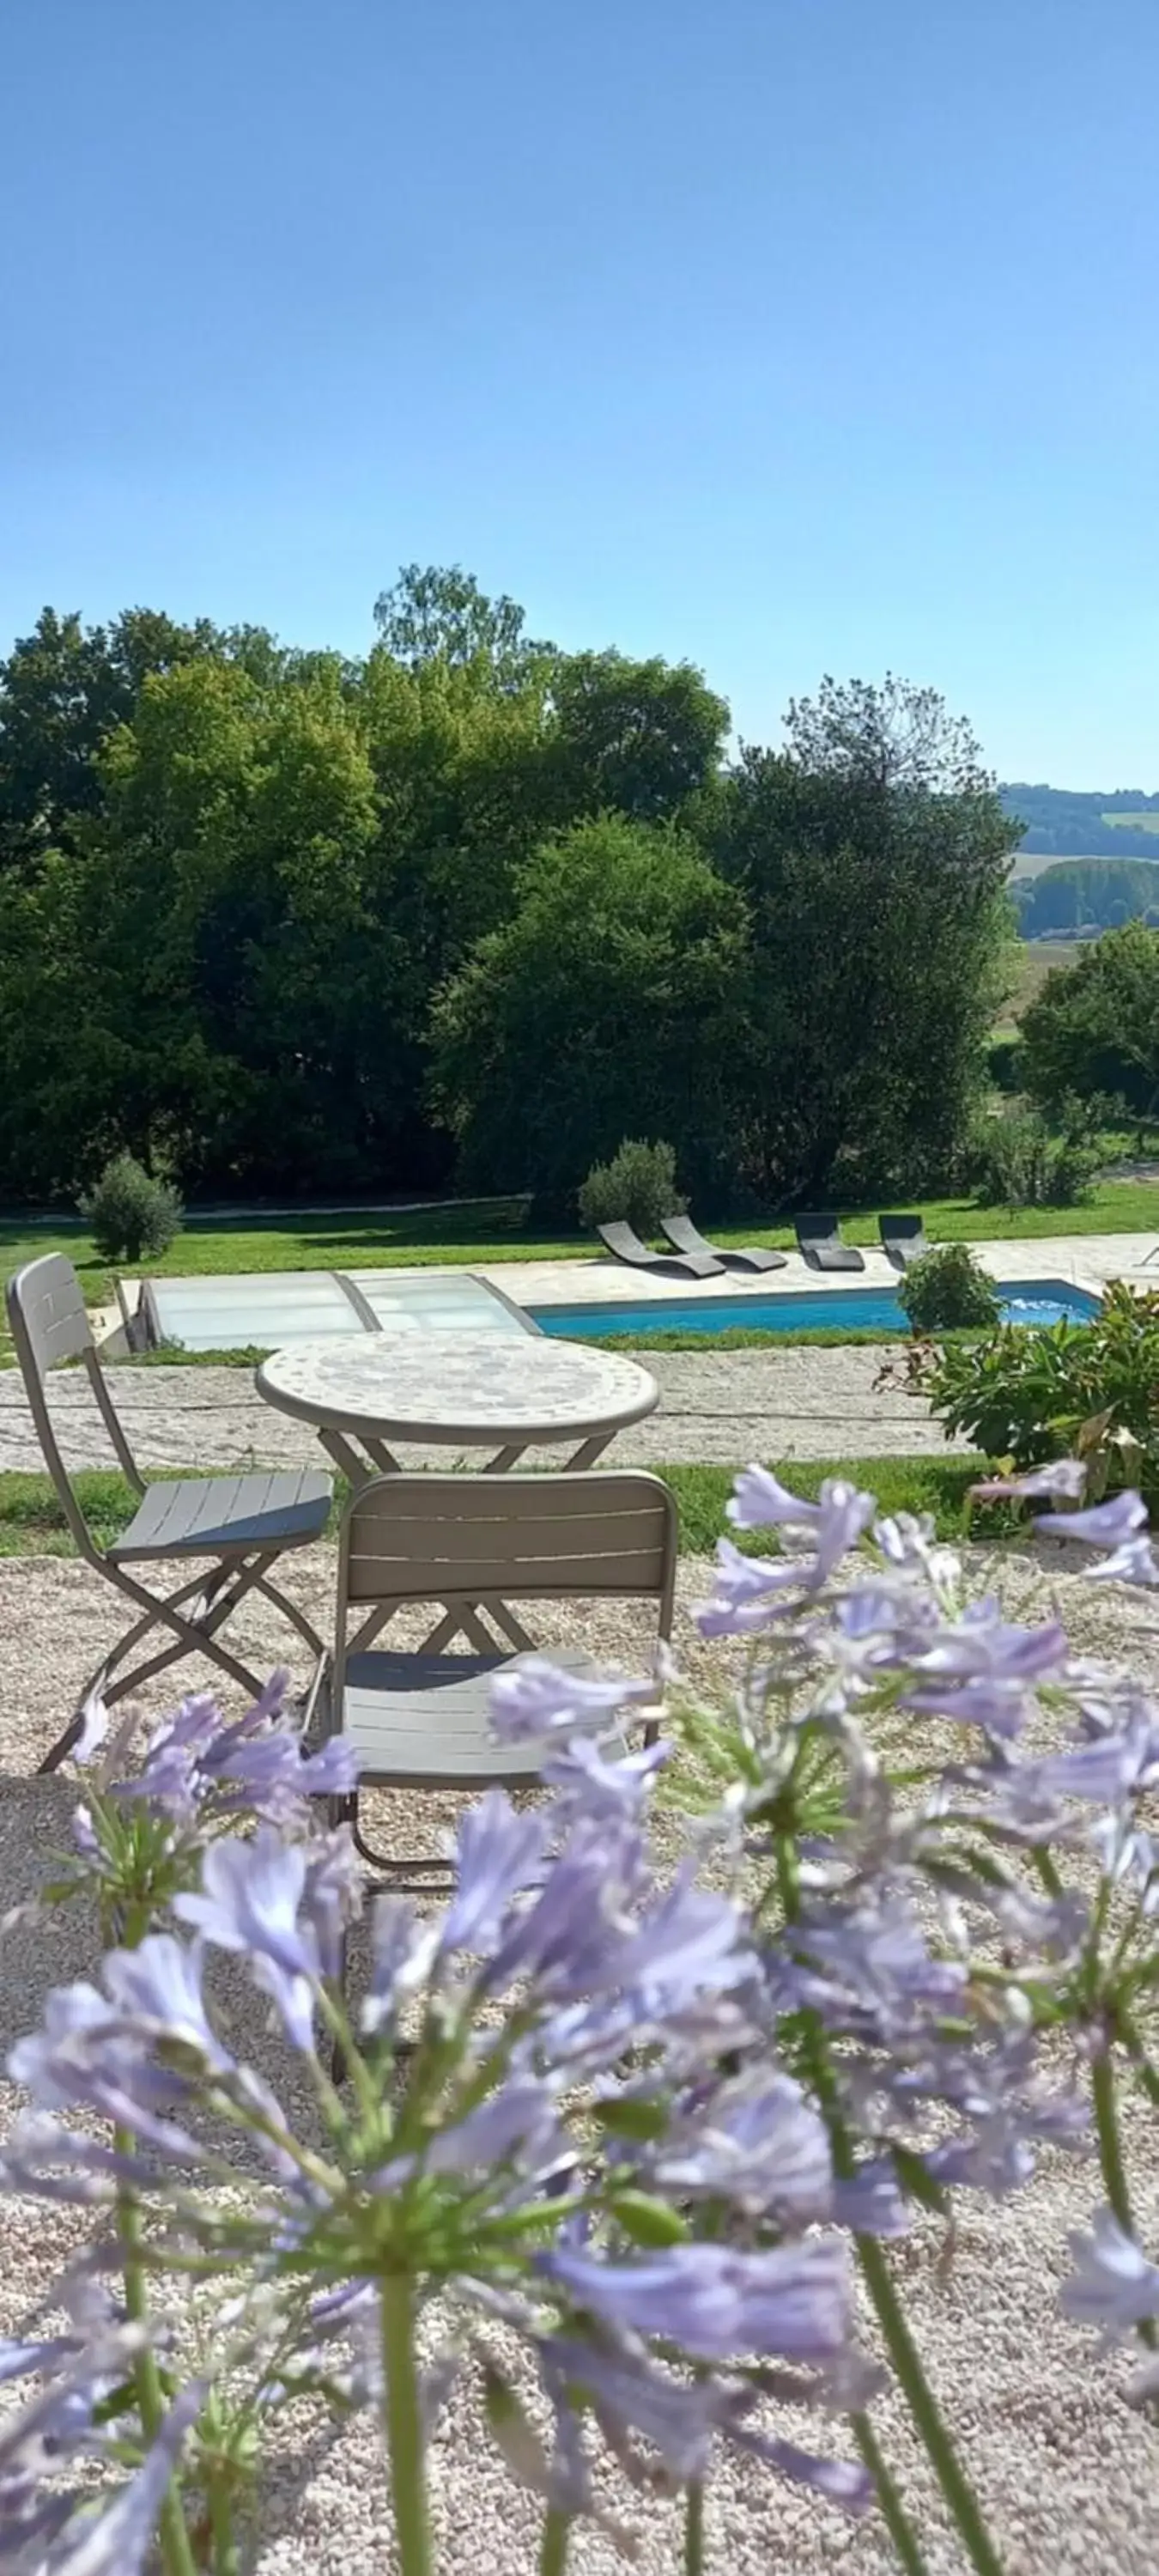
[
  {"x": 624, "y": 1245},
  {"x": 903, "y": 1239},
  {"x": 685, "y": 1237},
  {"x": 821, "y": 1245}
]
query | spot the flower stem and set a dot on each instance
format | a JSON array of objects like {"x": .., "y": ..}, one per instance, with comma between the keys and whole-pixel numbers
[
  {"x": 919, "y": 2396},
  {"x": 555, "y": 2543},
  {"x": 694, "y": 2529},
  {"x": 893, "y": 2512},
  {"x": 903, "y": 2352},
  {"x": 1111, "y": 2160},
  {"x": 226, "y": 2548},
  {"x": 404, "y": 2431},
  {"x": 176, "y": 2547}
]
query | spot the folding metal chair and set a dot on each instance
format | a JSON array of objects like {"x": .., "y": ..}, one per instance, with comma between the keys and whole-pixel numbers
[
  {"x": 243, "y": 1523},
  {"x": 469, "y": 1544}
]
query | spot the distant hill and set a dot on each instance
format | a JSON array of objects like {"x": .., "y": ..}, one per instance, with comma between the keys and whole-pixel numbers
[
  {"x": 1075, "y": 897},
  {"x": 1066, "y": 823}
]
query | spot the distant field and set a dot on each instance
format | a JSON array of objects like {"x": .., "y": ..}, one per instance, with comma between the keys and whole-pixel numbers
[
  {"x": 1147, "y": 822},
  {"x": 1033, "y": 863},
  {"x": 1036, "y": 960}
]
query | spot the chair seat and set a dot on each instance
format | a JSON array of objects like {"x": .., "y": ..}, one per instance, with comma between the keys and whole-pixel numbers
[
  {"x": 425, "y": 1719},
  {"x": 833, "y": 1256},
  {"x": 228, "y": 1515}
]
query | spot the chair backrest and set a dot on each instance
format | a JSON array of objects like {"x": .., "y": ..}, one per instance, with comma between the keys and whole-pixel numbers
[
  {"x": 467, "y": 1540},
  {"x": 49, "y": 1324},
  {"x": 686, "y": 1236},
  {"x": 622, "y": 1239}
]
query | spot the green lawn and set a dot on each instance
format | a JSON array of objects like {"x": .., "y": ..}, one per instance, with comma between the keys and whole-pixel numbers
[
  {"x": 496, "y": 1231},
  {"x": 32, "y": 1523}
]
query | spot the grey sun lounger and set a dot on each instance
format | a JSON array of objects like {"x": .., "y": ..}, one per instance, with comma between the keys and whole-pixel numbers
[
  {"x": 819, "y": 1237},
  {"x": 903, "y": 1239},
  {"x": 240, "y": 1523},
  {"x": 686, "y": 1237},
  {"x": 624, "y": 1245}
]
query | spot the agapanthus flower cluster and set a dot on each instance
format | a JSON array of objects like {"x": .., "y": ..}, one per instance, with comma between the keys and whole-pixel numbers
[
  {"x": 139, "y": 1833},
  {"x": 640, "y": 2122}
]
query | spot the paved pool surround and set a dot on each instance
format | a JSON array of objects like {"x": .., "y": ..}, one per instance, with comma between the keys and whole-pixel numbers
[{"x": 1085, "y": 1261}]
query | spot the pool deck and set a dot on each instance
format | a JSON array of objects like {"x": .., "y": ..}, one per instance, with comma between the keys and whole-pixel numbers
[{"x": 1082, "y": 1260}]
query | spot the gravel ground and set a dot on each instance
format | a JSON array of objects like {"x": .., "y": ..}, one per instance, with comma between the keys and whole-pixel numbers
[
  {"x": 1068, "y": 2473},
  {"x": 799, "y": 1403}
]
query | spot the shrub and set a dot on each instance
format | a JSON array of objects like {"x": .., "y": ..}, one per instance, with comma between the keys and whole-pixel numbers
[
  {"x": 1019, "y": 1161},
  {"x": 639, "y": 1185},
  {"x": 947, "y": 1288},
  {"x": 132, "y": 1214},
  {"x": 1091, "y": 1389}
]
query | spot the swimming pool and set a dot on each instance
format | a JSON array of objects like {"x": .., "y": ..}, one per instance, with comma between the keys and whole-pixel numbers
[{"x": 857, "y": 1310}]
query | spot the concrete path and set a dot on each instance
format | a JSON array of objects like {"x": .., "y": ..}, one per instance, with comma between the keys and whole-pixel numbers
[
  {"x": 1086, "y": 1260},
  {"x": 732, "y": 1405}
]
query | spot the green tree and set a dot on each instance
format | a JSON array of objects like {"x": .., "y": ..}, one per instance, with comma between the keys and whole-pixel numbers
[
  {"x": 872, "y": 854},
  {"x": 637, "y": 738},
  {"x": 438, "y": 613},
  {"x": 1094, "y": 1026},
  {"x": 63, "y": 690},
  {"x": 605, "y": 1006},
  {"x": 214, "y": 974}
]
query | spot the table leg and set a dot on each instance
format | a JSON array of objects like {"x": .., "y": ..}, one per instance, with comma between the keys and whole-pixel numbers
[
  {"x": 358, "y": 1468},
  {"x": 503, "y": 1460},
  {"x": 587, "y": 1453}
]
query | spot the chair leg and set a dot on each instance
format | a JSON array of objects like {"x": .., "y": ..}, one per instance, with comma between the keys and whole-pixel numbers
[{"x": 219, "y": 1595}]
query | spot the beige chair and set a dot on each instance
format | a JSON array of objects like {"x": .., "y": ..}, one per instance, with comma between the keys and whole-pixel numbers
[
  {"x": 471, "y": 1545},
  {"x": 242, "y": 1523}
]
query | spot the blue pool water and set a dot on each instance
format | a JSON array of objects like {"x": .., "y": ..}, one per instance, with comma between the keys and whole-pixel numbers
[{"x": 1024, "y": 1301}]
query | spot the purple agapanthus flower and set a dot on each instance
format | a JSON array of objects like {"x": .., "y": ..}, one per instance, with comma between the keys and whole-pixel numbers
[
  {"x": 118, "y": 2541},
  {"x": 402, "y": 1953},
  {"x": 760, "y": 1501},
  {"x": 587, "y": 1783},
  {"x": 755, "y": 2143},
  {"x": 249, "y": 1901},
  {"x": 1135, "y": 1562},
  {"x": 1109, "y": 1524},
  {"x": 535, "y": 1698},
  {"x": 1113, "y": 2286},
  {"x": 499, "y": 1854},
  {"x": 1064, "y": 1478},
  {"x": 159, "y": 1985},
  {"x": 717, "y": 2303}
]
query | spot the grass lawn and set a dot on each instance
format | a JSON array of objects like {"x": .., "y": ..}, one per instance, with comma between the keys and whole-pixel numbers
[
  {"x": 496, "y": 1232},
  {"x": 32, "y": 1523}
]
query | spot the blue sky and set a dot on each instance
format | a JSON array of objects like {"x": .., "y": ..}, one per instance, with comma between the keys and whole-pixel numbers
[{"x": 787, "y": 335}]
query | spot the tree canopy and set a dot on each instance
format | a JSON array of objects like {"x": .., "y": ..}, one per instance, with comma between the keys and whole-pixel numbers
[
  {"x": 294, "y": 920},
  {"x": 1094, "y": 1026}
]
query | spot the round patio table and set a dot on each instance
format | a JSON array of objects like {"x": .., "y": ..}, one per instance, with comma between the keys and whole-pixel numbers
[{"x": 505, "y": 1392}]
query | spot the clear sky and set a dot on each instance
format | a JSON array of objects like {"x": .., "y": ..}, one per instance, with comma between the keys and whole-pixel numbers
[{"x": 787, "y": 335}]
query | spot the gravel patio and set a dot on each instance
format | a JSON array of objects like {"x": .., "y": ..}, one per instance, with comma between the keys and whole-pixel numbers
[
  {"x": 1068, "y": 2472},
  {"x": 805, "y": 1402}
]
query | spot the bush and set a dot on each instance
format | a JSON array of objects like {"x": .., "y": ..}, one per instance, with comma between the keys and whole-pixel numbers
[
  {"x": 131, "y": 1214},
  {"x": 1019, "y": 1161},
  {"x": 639, "y": 1185},
  {"x": 947, "y": 1288},
  {"x": 1087, "y": 1389}
]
